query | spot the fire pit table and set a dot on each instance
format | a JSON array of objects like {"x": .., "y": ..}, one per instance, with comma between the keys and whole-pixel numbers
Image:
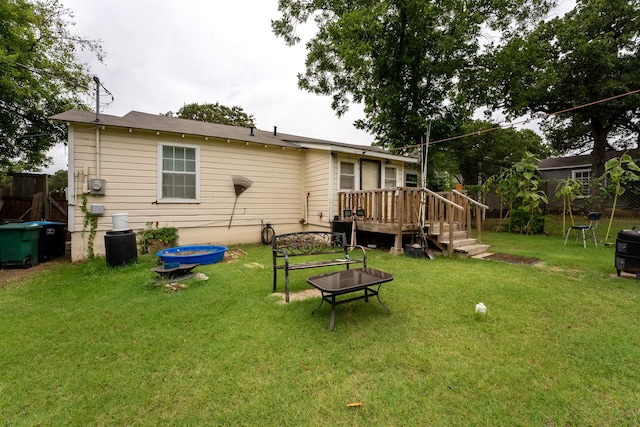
[{"x": 343, "y": 282}]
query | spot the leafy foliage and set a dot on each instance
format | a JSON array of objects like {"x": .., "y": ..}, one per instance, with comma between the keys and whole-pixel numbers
[
  {"x": 90, "y": 224},
  {"x": 588, "y": 55},
  {"x": 407, "y": 61},
  {"x": 214, "y": 113},
  {"x": 58, "y": 180},
  {"x": 39, "y": 76},
  {"x": 519, "y": 187},
  {"x": 569, "y": 190},
  {"x": 620, "y": 170},
  {"x": 167, "y": 235},
  {"x": 489, "y": 149}
]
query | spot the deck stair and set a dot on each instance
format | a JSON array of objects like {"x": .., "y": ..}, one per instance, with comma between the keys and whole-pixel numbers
[
  {"x": 444, "y": 219},
  {"x": 462, "y": 244}
]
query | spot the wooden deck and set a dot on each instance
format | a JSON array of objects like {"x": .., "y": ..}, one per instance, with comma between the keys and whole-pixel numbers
[{"x": 446, "y": 218}]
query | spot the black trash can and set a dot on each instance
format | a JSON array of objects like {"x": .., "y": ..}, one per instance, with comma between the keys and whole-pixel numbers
[
  {"x": 343, "y": 227},
  {"x": 120, "y": 247},
  {"x": 52, "y": 240}
]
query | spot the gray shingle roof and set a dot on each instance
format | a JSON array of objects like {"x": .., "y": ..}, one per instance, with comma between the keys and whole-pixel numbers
[
  {"x": 572, "y": 162},
  {"x": 153, "y": 122}
]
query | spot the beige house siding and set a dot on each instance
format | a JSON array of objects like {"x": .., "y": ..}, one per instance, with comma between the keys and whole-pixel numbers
[
  {"x": 295, "y": 179},
  {"x": 317, "y": 191},
  {"x": 128, "y": 163}
]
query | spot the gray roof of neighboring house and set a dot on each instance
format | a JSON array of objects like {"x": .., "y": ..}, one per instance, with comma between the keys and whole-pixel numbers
[
  {"x": 154, "y": 122},
  {"x": 573, "y": 162}
]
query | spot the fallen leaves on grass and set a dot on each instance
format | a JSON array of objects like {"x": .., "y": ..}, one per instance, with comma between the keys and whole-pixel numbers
[
  {"x": 234, "y": 255},
  {"x": 254, "y": 265},
  {"x": 175, "y": 286}
]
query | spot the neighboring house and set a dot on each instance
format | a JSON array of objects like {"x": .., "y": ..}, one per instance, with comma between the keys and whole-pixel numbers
[
  {"x": 180, "y": 173},
  {"x": 554, "y": 170}
]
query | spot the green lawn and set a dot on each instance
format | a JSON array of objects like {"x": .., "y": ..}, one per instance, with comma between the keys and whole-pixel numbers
[{"x": 560, "y": 345}]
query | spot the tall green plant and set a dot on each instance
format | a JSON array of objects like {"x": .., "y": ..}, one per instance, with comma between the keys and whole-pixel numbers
[
  {"x": 520, "y": 187},
  {"x": 569, "y": 190},
  {"x": 619, "y": 170}
]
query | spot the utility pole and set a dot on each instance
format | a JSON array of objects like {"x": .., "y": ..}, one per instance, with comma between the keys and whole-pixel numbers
[
  {"x": 425, "y": 155},
  {"x": 97, "y": 80}
]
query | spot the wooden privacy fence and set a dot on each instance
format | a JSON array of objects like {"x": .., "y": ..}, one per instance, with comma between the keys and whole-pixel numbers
[
  {"x": 29, "y": 200},
  {"x": 35, "y": 208}
]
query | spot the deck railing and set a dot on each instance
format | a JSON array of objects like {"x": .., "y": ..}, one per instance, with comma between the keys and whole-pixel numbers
[
  {"x": 404, "y": 209},
  {"x": 468, "y": 203},
  {"x": 382, "y": 206},
  {"x": 443, "y": 218}
]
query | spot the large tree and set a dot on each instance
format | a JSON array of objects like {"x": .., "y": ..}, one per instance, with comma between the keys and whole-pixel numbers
[
  {"x": 39, "y": 76},
  {"x": 214, "y": 113},
  {"x": 588, "y": 55},
  {"x": 489, "y": 149},
  {"x": 403, "y": 60}
]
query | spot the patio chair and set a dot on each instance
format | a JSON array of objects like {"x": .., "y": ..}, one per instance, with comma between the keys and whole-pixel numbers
[{"x": 593, "y": 218}]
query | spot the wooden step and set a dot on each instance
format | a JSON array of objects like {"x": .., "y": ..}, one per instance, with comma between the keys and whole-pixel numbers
[
  {"x": 470, "y": 250},
  {"x": 459, "y": 243},
  {"x": 436, "y": 228},
  {"x": 456, "y": 234}
]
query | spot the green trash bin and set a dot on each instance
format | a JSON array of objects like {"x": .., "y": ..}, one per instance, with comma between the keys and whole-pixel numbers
[{"x": 19, "y": 244}]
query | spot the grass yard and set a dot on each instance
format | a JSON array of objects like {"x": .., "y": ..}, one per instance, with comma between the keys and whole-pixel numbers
[{"x": 560, "y": 345}]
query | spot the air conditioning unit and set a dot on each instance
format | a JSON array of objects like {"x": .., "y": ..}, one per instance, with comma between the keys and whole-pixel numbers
[{"x": 96, "y": 186}]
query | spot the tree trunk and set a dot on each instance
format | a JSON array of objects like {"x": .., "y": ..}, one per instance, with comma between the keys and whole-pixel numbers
[{"x": 598, "y": 155}]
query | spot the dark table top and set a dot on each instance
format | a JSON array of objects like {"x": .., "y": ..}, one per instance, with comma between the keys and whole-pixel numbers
[{"x": 349, "y": 280}]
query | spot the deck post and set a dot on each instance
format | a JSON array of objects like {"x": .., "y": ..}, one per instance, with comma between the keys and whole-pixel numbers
[{"x": 397, "y": 245}]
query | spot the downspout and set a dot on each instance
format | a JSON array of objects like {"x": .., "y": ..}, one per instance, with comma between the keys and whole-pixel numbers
[
  {"x": 71, "y": 180},
  {"x": 97, "y": 80},
  {"x": 332, "y": 161},
  {"x": 98, "y": 151}
]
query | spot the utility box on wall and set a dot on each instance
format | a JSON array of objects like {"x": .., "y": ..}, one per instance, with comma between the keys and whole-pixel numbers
[
  {"x": 97, "y": 209},
  {"x": 96, "y": 186}
]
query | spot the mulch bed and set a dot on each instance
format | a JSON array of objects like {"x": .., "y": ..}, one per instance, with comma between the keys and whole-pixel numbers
[{"x": 513, "y": 259}]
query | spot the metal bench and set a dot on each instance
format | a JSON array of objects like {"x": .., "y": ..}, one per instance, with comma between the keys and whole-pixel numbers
[{"x": 312, "y": 249}]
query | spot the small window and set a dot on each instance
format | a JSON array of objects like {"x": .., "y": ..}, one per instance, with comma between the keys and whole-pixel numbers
[
  {"x": 179, "y": 173},
  {"x": 411, "y": 180},
  {"x": 583, "y": 175},
  {"x": 347, "y": 176},
  {"x": 390, "y": 177}
]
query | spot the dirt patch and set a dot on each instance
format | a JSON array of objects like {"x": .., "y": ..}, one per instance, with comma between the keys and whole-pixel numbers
[
  {"x": 14, "y": 274},
  {"x": 625, "y": 275},
  {"x": 298, "y": 296},
  {"x": 512, "y": 259},
  {"x": 233, "y": 255}
]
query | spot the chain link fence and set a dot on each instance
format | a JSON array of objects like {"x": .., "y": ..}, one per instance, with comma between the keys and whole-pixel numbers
[
  {"x": 602, "y": 200},
  {"x": 558, "y": 212}
]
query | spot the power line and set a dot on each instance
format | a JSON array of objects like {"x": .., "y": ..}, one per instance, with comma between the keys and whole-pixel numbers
[
  {"x": 524, "y": 121},
  {"x": 45, "y": 73}
]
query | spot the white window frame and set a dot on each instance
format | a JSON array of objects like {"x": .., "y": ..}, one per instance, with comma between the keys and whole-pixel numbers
[
  {"x": 352, "y": 175},
  {"x": 386, "y": 168},
  {"x": 416, "y": 182},
  {"x": 160, "y": 170},
  {"x": 586, "y": 183}
]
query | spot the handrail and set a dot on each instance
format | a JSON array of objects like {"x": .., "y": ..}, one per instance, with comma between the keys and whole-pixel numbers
[
  {"x": 469, "y": 199},
  {"x": 444, "y": 199},
  {"x": 396, "y": 210}
]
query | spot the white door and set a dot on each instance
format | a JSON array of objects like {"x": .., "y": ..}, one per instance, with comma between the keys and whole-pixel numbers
[{"x": 370, "y": 175}]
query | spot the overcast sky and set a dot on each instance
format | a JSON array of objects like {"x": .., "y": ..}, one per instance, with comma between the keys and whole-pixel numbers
[{"x": 161, "y": 54}]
